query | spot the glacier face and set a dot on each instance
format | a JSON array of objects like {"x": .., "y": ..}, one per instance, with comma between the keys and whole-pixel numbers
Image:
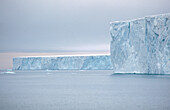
[
  {"x": 102, "y": 62},
  {"x": 141, "y": 45}
]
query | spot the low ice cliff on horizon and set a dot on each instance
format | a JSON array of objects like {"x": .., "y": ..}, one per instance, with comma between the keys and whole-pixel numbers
[
  {"x": 102, "y": 62},
  {"x": 141, "y": 45}
]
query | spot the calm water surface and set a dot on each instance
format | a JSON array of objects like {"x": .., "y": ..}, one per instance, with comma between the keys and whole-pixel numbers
[{"x": 83, "y": 90}]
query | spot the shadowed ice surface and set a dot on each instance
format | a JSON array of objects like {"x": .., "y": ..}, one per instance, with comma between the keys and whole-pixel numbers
[{"x": 83, "y": 90}]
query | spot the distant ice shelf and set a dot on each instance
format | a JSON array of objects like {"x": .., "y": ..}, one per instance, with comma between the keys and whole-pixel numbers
[
  {"x": 97, "y": 62},
  {"x": 141, "y": 45}
]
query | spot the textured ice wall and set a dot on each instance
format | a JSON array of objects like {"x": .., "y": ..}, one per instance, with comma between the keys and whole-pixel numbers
[
  {"x": 60, "y": 63},
  {"x": 141, "y": 45}
]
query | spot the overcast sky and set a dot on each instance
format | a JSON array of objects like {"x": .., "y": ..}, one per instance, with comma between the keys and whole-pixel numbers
[{"x": 62, "y": 25}]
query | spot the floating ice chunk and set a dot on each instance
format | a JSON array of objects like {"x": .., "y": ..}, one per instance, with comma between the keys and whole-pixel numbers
[{"x": 8, "y": 72}]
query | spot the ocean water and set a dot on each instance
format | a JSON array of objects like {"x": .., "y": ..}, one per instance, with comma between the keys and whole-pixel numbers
[{"x": 83, "y": 90}]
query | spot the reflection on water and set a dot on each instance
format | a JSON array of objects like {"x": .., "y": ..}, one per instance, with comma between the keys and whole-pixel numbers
[{"x": 83, "y": 90}]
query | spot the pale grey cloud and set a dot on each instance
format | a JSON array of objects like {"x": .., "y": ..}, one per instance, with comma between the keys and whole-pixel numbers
[{"x": 52, "y": 25}]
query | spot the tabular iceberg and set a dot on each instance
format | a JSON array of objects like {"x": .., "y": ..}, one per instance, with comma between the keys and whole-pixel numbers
[
  {"x": 101, "y": 62},
  {"x": 141, "y": 45}
]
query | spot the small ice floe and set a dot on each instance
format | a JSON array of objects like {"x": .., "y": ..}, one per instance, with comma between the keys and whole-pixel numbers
[
  {"x": 49, "y": 73},
  {"x": 6, "y": 71},
  {"x": 73, "y": 73},
  {"x": 81, "y": 70},
  {"x": 48, "y": 70},
  {"x": 9, "y": 72}
]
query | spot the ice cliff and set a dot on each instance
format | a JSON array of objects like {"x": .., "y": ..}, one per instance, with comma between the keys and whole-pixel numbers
[
  {"x": 99, "y": 62},
  {"x": 141, "y": 45},
  {"x": 137, "y": 46}
]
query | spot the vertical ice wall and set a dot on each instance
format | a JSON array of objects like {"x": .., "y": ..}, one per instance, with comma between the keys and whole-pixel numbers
[{"x": 141, "y": 45}]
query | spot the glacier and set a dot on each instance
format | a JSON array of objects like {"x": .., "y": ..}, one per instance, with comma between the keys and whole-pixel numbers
[
  {"x": 141, "y": 45},
  {"x": 138, "y": 46},
  {"x": 95, "y": 62}
]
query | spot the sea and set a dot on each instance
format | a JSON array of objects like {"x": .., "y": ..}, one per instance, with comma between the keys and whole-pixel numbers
[{"x": 83, "y": 90}]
